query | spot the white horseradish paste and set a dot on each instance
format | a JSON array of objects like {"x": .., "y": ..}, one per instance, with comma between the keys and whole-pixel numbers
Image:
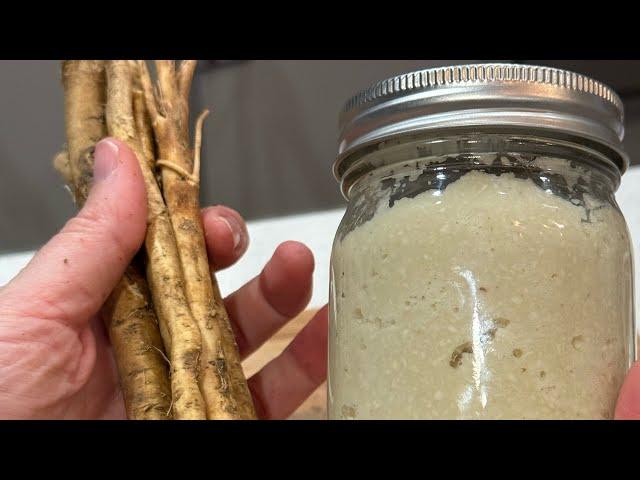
[{"x": 489, "y": 299}]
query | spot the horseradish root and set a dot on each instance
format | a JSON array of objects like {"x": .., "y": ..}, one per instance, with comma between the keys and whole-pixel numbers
[
  {"x": 180, "y": 331},
  {"x": 137, "y": 346},
  {"x": 172, "y": 339},
  {"x": 84, "y": 99},
  {"x": 130, "y": 320},
  {"x": 221, "y": 380}
]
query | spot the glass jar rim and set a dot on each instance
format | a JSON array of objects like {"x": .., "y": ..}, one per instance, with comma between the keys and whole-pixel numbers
[
  {"x": 509, "y": 97},
  {"x": 469, "y": 142}
]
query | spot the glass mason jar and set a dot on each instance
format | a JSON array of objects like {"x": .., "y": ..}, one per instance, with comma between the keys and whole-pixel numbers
[{"x": 483, "y": 268}]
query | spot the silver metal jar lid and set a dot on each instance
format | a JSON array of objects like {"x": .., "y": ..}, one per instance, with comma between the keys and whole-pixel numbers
[{"x": 536, "y": 99}]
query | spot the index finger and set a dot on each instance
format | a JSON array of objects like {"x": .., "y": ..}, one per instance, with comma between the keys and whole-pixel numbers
[{"x": 226, "y": 236}]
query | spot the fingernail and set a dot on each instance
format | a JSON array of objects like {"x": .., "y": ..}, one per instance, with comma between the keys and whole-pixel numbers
[
  {"x": 105, "y": 159},
  {"x": 235, "y": 231}
]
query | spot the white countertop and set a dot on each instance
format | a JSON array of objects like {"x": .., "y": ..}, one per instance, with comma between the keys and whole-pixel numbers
[{"x": 317, "y": 229}]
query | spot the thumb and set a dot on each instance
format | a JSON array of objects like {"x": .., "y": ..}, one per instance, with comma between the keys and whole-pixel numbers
[{"x": 71, "y": 276}]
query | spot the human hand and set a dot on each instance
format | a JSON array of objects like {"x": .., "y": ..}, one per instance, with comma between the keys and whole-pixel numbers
[
  {"x": 55, "y": 355},
  {"x": 628, "y": 406}
]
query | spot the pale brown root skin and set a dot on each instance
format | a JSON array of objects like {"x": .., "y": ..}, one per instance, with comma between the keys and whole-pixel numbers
[
  {"x": 222, "y": 382},
  {"x": 131, "y": 323},
  {"x": 178, "y": 327},
  {"x": 141, "y": 117},
  {"x": 135, "y": 337},
  {"x": 62, "y": 165},
  {"x": 84, "y": 100}
]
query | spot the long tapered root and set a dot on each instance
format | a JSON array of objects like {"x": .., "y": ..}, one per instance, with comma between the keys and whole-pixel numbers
[
  {"x": 222, "y": 382},
  {"x": 84, "y": 99},
  {"x": 179, "y": 330},
  {"x": 172, "y": 339},
  {"x": 131, "y": 322},
  {"x": 136, "y": 342}
]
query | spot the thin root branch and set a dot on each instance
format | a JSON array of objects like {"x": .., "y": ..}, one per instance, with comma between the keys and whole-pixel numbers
[
  {"x": 198, "y": 144},
  {"x": 163, "y": 356},
  {"x": 179, "y": 170}
]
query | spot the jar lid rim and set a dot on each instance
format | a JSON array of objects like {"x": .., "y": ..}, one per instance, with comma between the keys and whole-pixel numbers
[{"x": 498, "y": 94}]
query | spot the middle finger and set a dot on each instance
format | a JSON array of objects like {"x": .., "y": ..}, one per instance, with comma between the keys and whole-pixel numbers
[{"x": 281, "y": 291}]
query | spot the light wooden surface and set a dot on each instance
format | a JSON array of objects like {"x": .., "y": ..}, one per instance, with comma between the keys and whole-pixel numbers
[{"x": 315, "y": 406}]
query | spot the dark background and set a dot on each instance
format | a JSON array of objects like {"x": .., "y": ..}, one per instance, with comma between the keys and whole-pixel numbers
[{"x": 268, "y": 145}]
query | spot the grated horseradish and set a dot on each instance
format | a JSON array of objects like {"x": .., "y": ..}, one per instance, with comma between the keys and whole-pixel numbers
[{"x": 491, "y": 298}]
